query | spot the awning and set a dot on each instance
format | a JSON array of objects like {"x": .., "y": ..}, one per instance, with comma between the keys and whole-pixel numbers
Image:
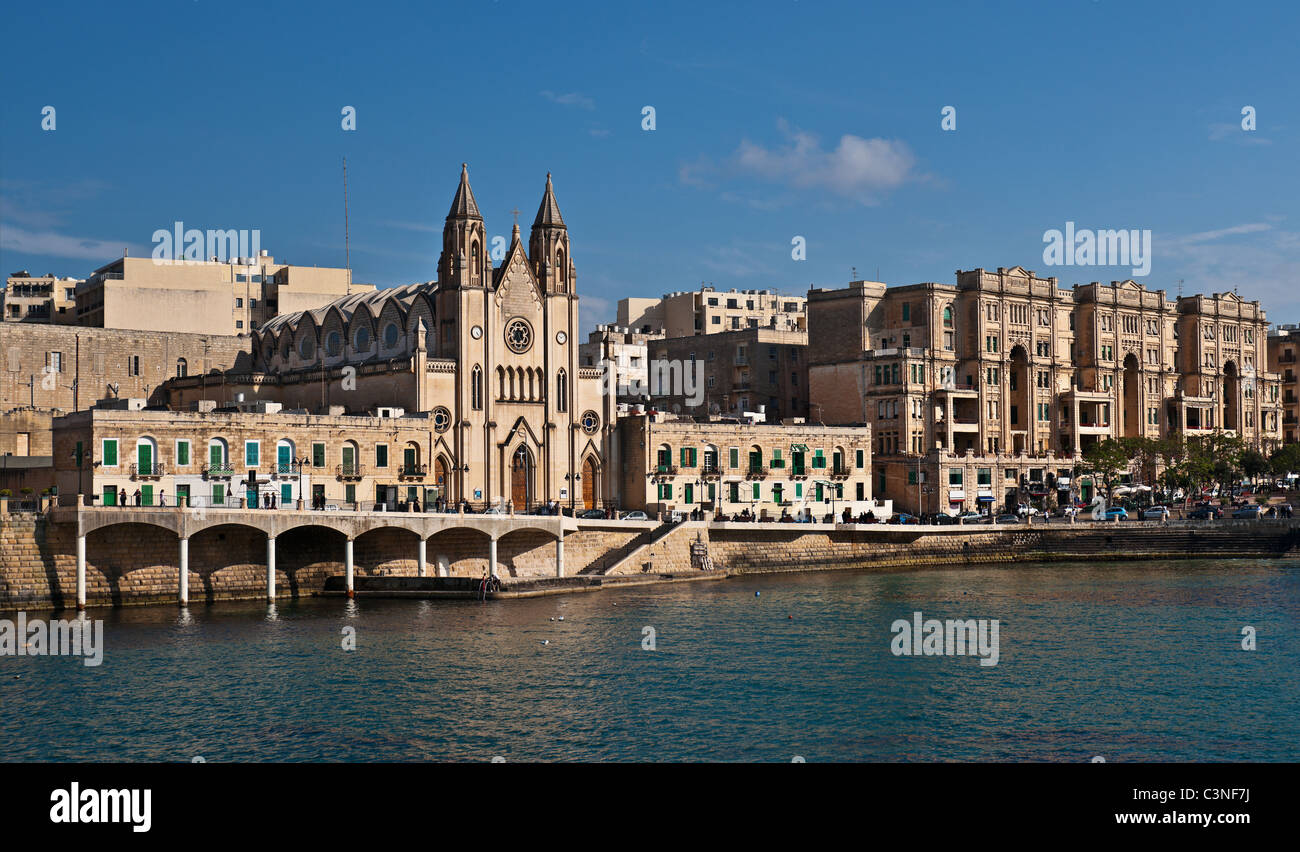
[{"x": 985, "y": 498}]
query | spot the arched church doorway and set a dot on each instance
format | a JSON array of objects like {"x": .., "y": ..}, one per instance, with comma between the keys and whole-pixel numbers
[
  {"x": 589, "y": 483},
  {"x": 521, "y": 478}
]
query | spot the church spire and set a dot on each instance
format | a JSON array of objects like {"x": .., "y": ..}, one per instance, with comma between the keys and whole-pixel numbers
[
  {"x": 463, "y": 206},
  {"x": 548, "y": 214}
]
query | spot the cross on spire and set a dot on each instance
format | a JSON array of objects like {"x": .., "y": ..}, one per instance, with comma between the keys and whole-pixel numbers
[{"x": 515, "y": 213}]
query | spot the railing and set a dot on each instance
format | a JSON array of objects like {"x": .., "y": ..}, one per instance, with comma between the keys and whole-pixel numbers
[
  {"x": 412, "y": 471},
  {"x": 288, "y": 469},
  {"x": 146, "y": 471},
  {"x": 798, "y": 470},
  {"x": 756, "y": 472},
  {"x": 710, "y": 470},
  {"x": 1095, "y": 424},
  {"x": 665, "y": 470},
  {"x": 350, "y": 471},
  {"x": 840, "y": 472},
  {"x": 217, "y": 470}
]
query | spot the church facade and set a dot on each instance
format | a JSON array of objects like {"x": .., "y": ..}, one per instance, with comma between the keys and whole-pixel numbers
[{"x": 486, "y": 354}]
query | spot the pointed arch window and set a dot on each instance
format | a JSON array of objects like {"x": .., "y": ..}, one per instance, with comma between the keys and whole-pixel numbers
[
  {"x": 476, "y": 388},
  {"x": 563, "y": 271},
  {"x": 562, "y": 391},
  {"x": 474, "y": 258}
]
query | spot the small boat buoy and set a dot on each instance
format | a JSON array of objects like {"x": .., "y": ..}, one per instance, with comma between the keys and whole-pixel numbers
[
  {"x": 756, "y": 594},
  {"x": 546, "y": 641},
  {"x": 791, "y": 617},
  {"x": 561, "y": 618}
]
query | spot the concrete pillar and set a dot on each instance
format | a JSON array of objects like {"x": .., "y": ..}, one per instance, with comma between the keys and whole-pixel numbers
[
  {"x": 420, "y": 560},
  {"x": 347, "y": 561},
  {"x": 270, "y": 568},
  {"x": 559, "y": 557},
  {"x": 183, "y": 580},
  {"x": 492, "y": 557},
  {"x": 81, "y": 572}
]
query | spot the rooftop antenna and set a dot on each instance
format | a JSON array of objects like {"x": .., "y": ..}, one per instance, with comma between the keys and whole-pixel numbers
[
  {"x": 1180, "y": 288},
  {"x": 347, "y": 246},
  {"x": 855, "y": 273}
]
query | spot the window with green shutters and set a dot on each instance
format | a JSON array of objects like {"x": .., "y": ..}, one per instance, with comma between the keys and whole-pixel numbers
[
  {"x": 688, "y": 456},
  {"x": 861, "y": 458},
  {"x": 688, "y": 493},
  {"x": 839, "y": 491},
  {"x": 954, "y": 477},
  {"x": 819, "y": 460},
  {"x": 350, "y": 493},
  {"x": 110, "y": 495},
  {"x": 665, "y": 491},
  {"x": 381, "y": 455},
  {"x": 798, "y": 490},
  {"x": 317, "y": 455},
  {"x": 776, "y": 493},
  {"x": 108, "y": 454},
  {"x": 218, "y": 494},
  {"x": 911, "y": 477},
  {"x": 758, "y": 492},
  {"x": 182, "y": 452},
  {"x": 734, "y": 456},
  {"x": 777, "y": 461},
  {"x": 252, "y": 451},
  {"x": 734, "y": 491}
]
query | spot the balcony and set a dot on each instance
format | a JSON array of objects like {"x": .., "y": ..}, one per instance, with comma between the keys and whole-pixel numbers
[
  {"x": 665, "y": 470},
  {"x": 756, "y": 472},
  {"x": 287, "y": 469},
  {"x": 350, "y": 471},
  {"x": 710, "y": 471},
  {"x": 146, "y": 471},
  {"x": 218, "y": 471},
  {"x": 413, "y": 471},
  {"x": 840, "y": 472},
  {"x": 798, "y": 471}
]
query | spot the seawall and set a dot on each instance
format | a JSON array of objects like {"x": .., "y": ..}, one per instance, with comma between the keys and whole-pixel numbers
[{"x": 137, "y": 563}]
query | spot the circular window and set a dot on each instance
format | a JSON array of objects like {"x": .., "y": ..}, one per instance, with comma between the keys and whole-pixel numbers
[
  {"x": 361, "y": 340},
  {"x": 590, "y": 422},
  {"x": 333, "y": 342},
  {"x": 519, "y": 335},
  {"x": 390, "y": 335},
  {"x": 441, "y": 419},
  {"x": 306, "y": 347}
]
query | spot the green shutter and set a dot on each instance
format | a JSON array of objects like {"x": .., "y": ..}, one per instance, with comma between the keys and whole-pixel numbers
[
  {"x": 214, "y": 456},
  {"x": 218, "y": 494},
  {"x": 318, "y": 455},
  {"x": 758, "y": 494},
  {"x": 182, "y": 452},
  {"x": 735, "y": 457},
  {"x": 110, "y": 495},
  {"x": 381, "y": 455},
  {"x": 110, "y": 452},
  {"x": 250, "y": 453}
]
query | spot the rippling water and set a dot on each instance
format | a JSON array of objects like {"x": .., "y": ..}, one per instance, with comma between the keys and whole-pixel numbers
[{"x": 1135, "y": 661}]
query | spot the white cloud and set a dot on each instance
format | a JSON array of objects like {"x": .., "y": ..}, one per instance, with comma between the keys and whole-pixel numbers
[
  {"x": 857, "y": 168},
  {"x": 51, "y": 244},
  {"x": 573, "y": 99}
]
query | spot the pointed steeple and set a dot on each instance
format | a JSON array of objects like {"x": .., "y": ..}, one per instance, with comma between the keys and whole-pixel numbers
[
  {"x": 549, "y": 212},
  {"x": 463, "y": 206}
]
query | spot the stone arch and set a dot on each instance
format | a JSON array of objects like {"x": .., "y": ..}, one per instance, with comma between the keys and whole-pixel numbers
[
  {"x": 1131, "y": 397},
  {"x": 1020, "y": 414},
  {"x": 460, "y": 551},
  {"x": 1231, "y": 402},
  {"x": 590, "y": 481},
  {"x": 522, "y": 472},
  {"x": 527, "y": 552},
  {"x": 386, "y": 551}
]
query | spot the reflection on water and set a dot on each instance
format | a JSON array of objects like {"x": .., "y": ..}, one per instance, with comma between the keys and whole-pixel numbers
[{"x": 1133, "y": 661}]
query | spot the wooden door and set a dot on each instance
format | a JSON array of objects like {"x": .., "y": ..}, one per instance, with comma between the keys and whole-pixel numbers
[
  {"x": 588, "y": 484},
  {"x": 519, "y": 470}
]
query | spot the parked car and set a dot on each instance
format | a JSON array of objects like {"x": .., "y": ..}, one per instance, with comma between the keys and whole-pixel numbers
[
  {"x": 1156, "y": 513},
  {"x": 637, "y": 515},
  {"x": 942, "y": 519},
  {"x": 1116, "y": 513},
  {"x": 972, "y": 518},
  {"x": 592, "y": 515},
  {"x": 1248, "y": 513},
  {"x": 496, "y": 510},
  {"x": 676, "y": 516},
  {"x": 903, "y": 518},
  {"x": 1008, "y": 519},
  {"x": 1205, "y": 513}
]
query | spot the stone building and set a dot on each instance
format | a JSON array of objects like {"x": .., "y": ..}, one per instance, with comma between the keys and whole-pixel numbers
[
  {"x": 226, "y": 297},
  {"x": 624, "y": 353},
  {"x": 45, "y": 299},
  {"x": 1006, "y": 376},
  {"x": 730, "y": 466},
  {"x": 754, "y": 369},
  {"x": 489, "y": 354},
  {"x": 709, "y": 311},
  {"x": 218, "y": 458},
  {"x": 1283, "y": 344}
]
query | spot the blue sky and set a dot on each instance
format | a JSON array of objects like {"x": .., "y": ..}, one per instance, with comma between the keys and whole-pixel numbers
[{"x": 773, "y": 120}]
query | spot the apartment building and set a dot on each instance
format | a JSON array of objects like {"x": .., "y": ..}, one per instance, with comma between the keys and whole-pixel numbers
[
  {"x": 709, "y": 311},
  {"x": 673, "y": 462},
  {"x": 752, "y": 369},
  {"x": 39, "y": 299},
  {"x": 1283, "y": 344},
  {"x": 227, "y": 297},
  {"x": 1008, "y": 377}
]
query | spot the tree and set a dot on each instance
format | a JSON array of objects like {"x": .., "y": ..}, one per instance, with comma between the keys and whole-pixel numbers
[{"x": 1106, "y": 459}]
